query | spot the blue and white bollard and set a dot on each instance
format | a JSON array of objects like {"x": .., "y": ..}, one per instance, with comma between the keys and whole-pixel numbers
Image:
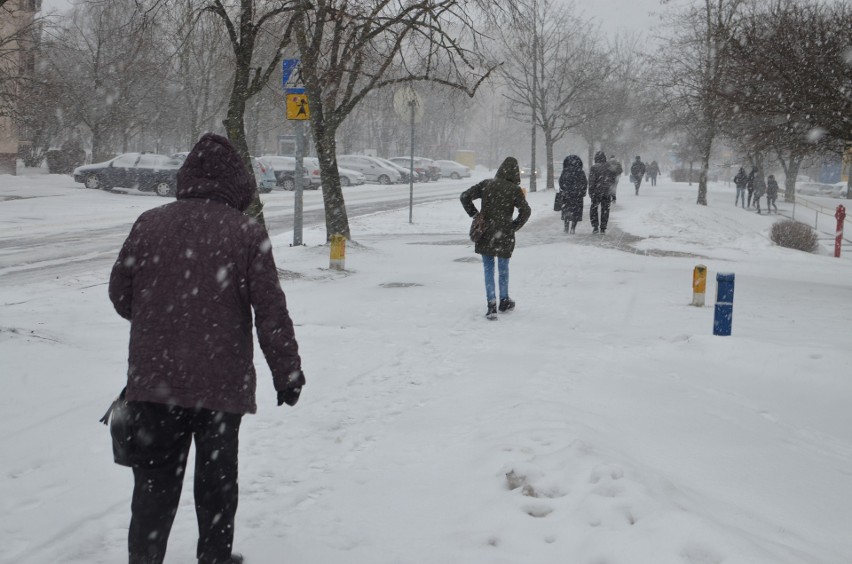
[{"x": 724, "y": 304}]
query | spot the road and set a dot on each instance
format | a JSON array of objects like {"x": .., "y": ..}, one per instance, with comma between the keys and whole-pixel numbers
[{"x": 78, "y": 230}]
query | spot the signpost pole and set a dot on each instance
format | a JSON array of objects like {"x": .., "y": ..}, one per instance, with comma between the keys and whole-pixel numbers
[
  {"x": 296, "y": 109},
  {"x": 299, "y": 183},
  {"x": 412, "y": 103}
]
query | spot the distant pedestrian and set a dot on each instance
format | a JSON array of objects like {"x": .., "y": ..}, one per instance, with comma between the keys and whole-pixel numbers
[
  {"x": 740, "y": 181},
  {"x": 188, "y": 278},
  {"x": 637, "y": 173},
  {"x": 771, "y": 193},
  {"x": 572, "y": 186},
  {"x": 615, "y": 172},
  {"x": 750, "y": 186},
  {"x": 499, "y": 197},
  {"x": 600, "y": 186},
  {"x": 759, "y": 187},
  {"x": 653, "y": 171}
]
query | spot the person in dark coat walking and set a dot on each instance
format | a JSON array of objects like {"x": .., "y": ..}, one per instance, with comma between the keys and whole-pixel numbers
[
  {"x": 572, "y": 186},
  {"x": 615, "y": 171},
  {"x": 637, "y": 173},
  {"x": 653, "y": 171},
  {"x": 187, "y": 278},
  {"x": 600, "y": 186},
  {"x": 750, "y": 186},
  {"x": 759, "y": 186},
  {"x": 740, "y": 181},
  {"x": 499, "y": 197},
  {"x": 771, "y": 193}
]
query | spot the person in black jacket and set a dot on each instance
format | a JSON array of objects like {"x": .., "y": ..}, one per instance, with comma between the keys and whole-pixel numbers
[
  {"x": 637, "y": 173},
  {"x": 572, "y": 186},
  {"x": 653, "y": 171},
  {"x": 759, "y": 186},
  {"x": 500, "y": 197},
  {"x": 750, "y": 186},
  {"x": 600, "y": 185},
  {"x": 615, "y": 171},
  {"x": 771, "y": 193},
  {"x": 740, "y": 181}
]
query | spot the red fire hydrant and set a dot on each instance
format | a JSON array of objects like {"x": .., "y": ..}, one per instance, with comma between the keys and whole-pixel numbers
[{"x": 840, "y": 214}]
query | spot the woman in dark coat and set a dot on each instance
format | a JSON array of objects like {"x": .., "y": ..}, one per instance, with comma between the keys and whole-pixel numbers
[
  {"x": 750, "y": 186},
  {"x": 759, "y": 187},
  {"x": 771, "y": 193},
  {"x": 572, "y": 186},
  {"x": 500, "y": 196},
  {"x": 188, "y": 278}
]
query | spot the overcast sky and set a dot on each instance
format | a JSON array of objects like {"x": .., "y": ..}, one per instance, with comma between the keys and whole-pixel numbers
[{"x": 632, "y": 14}]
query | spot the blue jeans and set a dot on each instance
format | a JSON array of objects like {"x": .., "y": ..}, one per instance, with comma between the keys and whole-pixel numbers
[
  {"x": 503, "y": 274},
  {"x": 740, "y": 194}
]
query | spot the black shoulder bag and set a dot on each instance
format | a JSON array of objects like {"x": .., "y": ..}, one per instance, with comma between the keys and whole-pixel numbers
[
  {"x": 477, "y": 226},
  {"x": 118, "y": 418}
]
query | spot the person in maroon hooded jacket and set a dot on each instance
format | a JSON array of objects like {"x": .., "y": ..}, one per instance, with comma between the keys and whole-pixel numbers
[{"x": 187, "y": 278}]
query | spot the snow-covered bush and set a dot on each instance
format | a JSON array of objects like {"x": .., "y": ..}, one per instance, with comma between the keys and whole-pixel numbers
[{"x": 794, "y": 235}]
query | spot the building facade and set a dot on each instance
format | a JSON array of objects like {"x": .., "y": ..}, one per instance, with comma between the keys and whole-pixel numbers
[{"x": 17, "y": 59}]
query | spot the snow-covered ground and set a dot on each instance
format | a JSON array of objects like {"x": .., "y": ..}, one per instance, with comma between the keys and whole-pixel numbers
[{"x": 599, "y": 423}]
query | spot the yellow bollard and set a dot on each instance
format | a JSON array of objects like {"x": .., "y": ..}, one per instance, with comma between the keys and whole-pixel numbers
[
  {"x": 699, "y": 285},
  {"x": 337, "y": 257}
]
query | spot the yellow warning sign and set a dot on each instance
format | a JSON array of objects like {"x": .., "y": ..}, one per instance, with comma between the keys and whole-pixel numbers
[{"x": 297, "y": 106}]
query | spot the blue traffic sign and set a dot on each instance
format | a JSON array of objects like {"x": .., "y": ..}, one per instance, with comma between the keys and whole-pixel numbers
[{"x": 287, "y": 68}]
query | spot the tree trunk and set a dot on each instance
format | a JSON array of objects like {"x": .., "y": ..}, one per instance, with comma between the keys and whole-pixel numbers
[
  {"x": 336, "y": 218},
  {"x": 97, "y": 145},
  {"x": 548, "y": 150},
  {"x": 706, "y": 150},
  {"x": 235, "y": 129},
  {"x": 790, "y": 174}
]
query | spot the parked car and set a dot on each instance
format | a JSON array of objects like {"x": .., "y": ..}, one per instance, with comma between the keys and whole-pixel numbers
[
  {"x": 428, "y": 168},
  {"x": 403, "y": 171},
  {"x": 147, "y": 172},
  {"x": 421, "y": 170},
  {"x": 284, "y": 169},
  {"x": 264, "y": 175},
  {"x": 453, "y": 170},
  {"x": 348, "y": 177},
  {"x": 371, "y": 168}
]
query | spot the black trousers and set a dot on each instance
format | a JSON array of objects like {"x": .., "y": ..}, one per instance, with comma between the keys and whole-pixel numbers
[
  {"x": 603, "y": 202},
  {"x": 164, "y": 434}
]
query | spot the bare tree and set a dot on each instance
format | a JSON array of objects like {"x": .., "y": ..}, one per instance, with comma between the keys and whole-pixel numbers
[
  {"x": 571, "y": 70},
  {"x": 615, "y": 114},
  {"x": 108, "y": 65},
  {"x": 349, "y": 50},
  {"x": 247, "y": 22},
  {"x": 692, "y": 64},
  {"x": 199, "y": 59},
  {"x": 789, "y": 90}
]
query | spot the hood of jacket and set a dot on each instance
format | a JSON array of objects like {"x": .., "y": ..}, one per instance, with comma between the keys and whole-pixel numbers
[
  {"x": 214, "y": 170},
  {"x": 572, "y": 163},
  {"x": 509, "y": 171},
  {"x": 600, "y": 157}
]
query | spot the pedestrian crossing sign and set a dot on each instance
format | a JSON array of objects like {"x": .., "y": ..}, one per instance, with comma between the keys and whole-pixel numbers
[{"x": 297, "y": 106}]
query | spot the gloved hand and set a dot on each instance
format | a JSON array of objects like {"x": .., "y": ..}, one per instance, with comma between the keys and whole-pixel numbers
[{"x": 290, "y": 395}]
